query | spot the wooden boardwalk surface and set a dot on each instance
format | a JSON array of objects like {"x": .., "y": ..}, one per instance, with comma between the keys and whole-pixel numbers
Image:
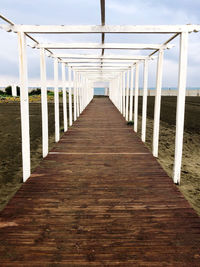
[{"x": 99, "y": 199}]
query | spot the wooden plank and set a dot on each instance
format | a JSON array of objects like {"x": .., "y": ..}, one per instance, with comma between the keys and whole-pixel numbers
[{"x": 99, "y": 198}]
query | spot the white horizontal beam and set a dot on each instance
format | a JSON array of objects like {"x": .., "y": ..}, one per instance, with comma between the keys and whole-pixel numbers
[
  {"x": 97, "y": 71},
  {"x": 112, "y": 56},
  {"x": 100, "y": 74},
  {"x": 102, "y": 46},
  {"x": 99, "y": 65},
  {"x": 96, "y": 68},
  {"x": 54, "y": 29},
  {"x": 103, "y": 61}
]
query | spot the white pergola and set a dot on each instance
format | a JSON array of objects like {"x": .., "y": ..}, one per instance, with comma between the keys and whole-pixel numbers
[{"x": 117, "y": 69}]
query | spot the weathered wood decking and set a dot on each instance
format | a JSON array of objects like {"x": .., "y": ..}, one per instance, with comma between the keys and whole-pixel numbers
[{"x": 99, "y": 199}]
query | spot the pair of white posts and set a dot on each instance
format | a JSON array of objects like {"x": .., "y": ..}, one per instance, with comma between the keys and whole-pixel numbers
[
  {"x": 24, "y": 102},
  {"x": 124, "y": 95}
]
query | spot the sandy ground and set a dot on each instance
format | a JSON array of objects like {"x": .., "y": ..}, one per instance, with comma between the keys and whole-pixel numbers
[
  {"x": 10, "y": 145},
  {"x": 190, "y": 175}
]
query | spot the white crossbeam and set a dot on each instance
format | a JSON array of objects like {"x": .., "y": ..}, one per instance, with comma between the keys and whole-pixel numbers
[
  {"x": 99, "y": 65},
  {"x": 99, "y": 69},
  {"x": 79, "y": 29},
  {"x": 102, "y": 46},
  {"x": 111, "y": 56},
  {"x": 72, "y": 61}
]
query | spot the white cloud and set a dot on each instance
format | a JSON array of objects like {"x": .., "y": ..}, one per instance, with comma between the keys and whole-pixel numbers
[
  {"x": 121, "y": 8},
  {"x": 88, "y": 12}
]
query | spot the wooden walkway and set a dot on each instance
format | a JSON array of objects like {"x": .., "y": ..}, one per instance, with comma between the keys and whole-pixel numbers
[{"x": 99, "y": 199}]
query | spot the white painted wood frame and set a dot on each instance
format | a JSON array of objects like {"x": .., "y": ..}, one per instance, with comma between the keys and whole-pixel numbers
[
  {"x": 74, "y": 90},
  {"x": 56, "y": 101},
  {"x": 121, "y": 46},
  {"x": 64, "y": 97},
  {"x": 157, "y": 103},
  {"x": 24, "y": 104},
  {"x": 136, "y": 97},
  {"x": 70, "y": 94},
  {"x": 77, "y": 96},
  {"x": 123, "y": 91},
  {"x": 127, "y": 93},
  {"x": 45, "y": 134},
  {"x": 144, "y": 101},
  {"x": 180, "y": 112},
  {"x": 57, "y": 29},
  {"x": 131, "y": 96}
]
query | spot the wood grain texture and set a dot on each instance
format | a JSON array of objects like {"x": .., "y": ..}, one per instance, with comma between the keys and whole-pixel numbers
[{"x": 108, "y": 203}]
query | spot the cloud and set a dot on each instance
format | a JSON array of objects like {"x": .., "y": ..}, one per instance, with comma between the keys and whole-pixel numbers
[
  {"x": 88, "y": 12},
  {"x": 121, "y": 8}
]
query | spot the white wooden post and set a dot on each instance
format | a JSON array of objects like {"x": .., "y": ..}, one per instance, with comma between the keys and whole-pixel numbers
[
  {"x": 131, "y": 97},
  {"x": 75, "y": 88},
  {"x": 45, "y": 135},
  {"x": 78, "y": 94},
  {"x": 119, "y": 93},
  {"x": 157, "y": 103},
  {"x": 144, "y": 102},
  {"x": 180, "y": 112},
  {"x": 14, "y": 90},
  {"x": 81, "y": 97},
  {"x": 136, "y": 96},
  {"x": 64, "y": 97},
  {"x": 70, "y": 94},
  {"x": 127, "y": 93},
  {"x": 24, "y": 103},
  {"x": 56, "y": 101},
  {"x": 84, "y": 92},
  {"x": 123, "y": 90}
]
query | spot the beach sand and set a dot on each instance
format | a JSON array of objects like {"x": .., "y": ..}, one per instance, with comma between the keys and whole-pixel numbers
[
  {"x": 10, "y": 145},
  {"x": 190, "y": 174}
]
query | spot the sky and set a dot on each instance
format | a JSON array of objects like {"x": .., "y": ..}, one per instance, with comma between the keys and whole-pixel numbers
[{"x": 118, "y": 12}]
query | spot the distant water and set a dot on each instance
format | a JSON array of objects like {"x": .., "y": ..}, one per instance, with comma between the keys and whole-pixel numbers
[{"x": 99, "y": 91}]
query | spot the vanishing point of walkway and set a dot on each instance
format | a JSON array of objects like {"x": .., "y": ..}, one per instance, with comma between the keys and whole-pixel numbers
[{"x": 99, "y": 199}]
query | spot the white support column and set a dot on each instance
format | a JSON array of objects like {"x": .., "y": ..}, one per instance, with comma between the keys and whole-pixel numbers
[
  {"x": 64, "y": 98},
  {"x": 14, "y": 90},
  {"x": 131, "y": 97},
  {"x": 56, "y": 101},
  {"x": 78, "y": 94},
  {"x": 24, "y": 103},
  {"x": 123, "y": 91},
  {"x": 180, "y": 111},
  {"x": 119, "y": 93},
  {"x": 81, "y": 94},
  {"x": 157, "y": 103},
  {"x": 144, "y": 102},
  {"x": 75, "y": 88},
  {"x": 70, "y": 94},
  {"x": 84, "y": 92},
  {"x": 45, "y": 135},
  {"x": 136, "y": 96},
  {"x": 127, "y": 93}
]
